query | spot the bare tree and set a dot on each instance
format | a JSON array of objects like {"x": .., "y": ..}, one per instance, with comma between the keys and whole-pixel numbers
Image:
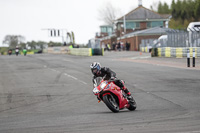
[
  {"x": 154, "y": 6},
  {"x": 108, "y": 14}
]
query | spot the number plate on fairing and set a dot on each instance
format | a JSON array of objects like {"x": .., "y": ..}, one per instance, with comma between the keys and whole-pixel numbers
[
  {"x": 95, "y": 90},
  {"x": 103, "y": 84}
]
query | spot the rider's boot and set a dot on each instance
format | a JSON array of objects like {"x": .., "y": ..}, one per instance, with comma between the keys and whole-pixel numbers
[{"x": 129, "y": 97}]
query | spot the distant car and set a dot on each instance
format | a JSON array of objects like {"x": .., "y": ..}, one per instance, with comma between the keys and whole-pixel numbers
[{"x": 39, "y": 52}]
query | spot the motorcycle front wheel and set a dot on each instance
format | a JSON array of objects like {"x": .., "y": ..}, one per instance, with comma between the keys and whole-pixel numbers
[{"x": 111, "y": 103}]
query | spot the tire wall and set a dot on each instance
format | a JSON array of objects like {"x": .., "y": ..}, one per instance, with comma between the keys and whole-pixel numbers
[{"x": 178, "y": 52}]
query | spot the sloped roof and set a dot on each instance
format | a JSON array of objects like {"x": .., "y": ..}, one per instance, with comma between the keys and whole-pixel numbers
[
  {"x": 150, "y": 31},
  {"x": 166, "y": 15},
  {"x": 142, "y": 13}
]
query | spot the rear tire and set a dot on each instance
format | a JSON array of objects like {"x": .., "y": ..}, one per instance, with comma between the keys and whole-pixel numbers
[
  {"x": 132, "y": 106},
  {"x": 111, "y": 103}
]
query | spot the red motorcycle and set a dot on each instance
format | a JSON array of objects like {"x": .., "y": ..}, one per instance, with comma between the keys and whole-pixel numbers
[{"x": 113, "y": 96}]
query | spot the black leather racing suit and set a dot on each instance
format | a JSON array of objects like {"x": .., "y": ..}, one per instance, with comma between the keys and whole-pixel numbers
[{"x": 107, "y": 74}]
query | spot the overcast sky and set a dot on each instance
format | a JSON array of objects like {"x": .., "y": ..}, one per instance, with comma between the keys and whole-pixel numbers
[{"x": 29, "y": 17}]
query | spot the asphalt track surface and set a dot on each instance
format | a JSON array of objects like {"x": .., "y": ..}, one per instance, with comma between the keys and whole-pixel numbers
[{"x": 53, "y": 94}]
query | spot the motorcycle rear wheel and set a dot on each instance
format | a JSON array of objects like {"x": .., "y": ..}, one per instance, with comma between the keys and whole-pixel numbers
[{"x": 111, "y": 103}]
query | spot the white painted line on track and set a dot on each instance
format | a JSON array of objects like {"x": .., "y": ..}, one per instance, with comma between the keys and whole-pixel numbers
[
  {"x": 75, "y": 78},
  {"x": 70, "y": 76},
  {"x": 83, "y": 82},
  {"x": 190, "y": 132}
]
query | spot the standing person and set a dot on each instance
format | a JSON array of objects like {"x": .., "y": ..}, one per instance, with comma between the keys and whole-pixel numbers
[
  {"x": 16, "y": 50},
  {"x": 122, "y": 46},
  {"x": 24, "y": 51},
  {"x": 103, "y": 45},
  {"x": 113, "y": 46},
  {"x": 108, "y": 45},
  {"x": 127, "y": 46},
  {"x": 119, "y": 46},
  {"x": 106, "y": 48}
]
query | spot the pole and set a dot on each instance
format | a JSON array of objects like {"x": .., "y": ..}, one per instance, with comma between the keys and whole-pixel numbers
[
  {"x": 124, "y": 24},
  {"x": 188, "y": 57},
  {"x": 193, "y": 57}
]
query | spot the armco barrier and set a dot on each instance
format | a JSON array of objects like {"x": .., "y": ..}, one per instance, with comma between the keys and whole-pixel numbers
[{"x": 179, "y": 52}]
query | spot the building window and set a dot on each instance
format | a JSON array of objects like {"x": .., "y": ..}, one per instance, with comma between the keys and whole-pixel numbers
[
  {"x": 103, "y": 30},
  {"x": 132, "y": 25},
  {"x": 119, "y": 26},
  {"x": 148, "y": 24},
  {"x": 109, "y": 30},
  {"x": 154, "y": 24},
  {"x": 137, "y": 25},
  {"x": 157, "y": 23}
]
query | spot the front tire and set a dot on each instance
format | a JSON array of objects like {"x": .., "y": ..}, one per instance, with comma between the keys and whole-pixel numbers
[{"x": 111, "y": 103}]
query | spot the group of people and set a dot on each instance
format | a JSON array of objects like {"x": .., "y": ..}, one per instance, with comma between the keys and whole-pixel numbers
[
  {"x": 17, "y": 51},
  {"x": 117, "y": 46}
]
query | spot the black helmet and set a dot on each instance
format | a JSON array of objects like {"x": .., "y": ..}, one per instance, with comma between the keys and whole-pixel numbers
[{"x": 95, "y": 68}]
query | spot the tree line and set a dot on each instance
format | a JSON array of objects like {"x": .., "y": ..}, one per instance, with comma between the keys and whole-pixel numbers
[
  {"x": 19, "y": 40},
  {"x": 183, "y": 12}
]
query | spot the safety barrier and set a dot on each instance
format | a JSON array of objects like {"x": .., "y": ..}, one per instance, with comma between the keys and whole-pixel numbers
[
  {"x": 86, "y": 51},
  {"x": 80, "y": 51},
  {"x": 28, "y": 53},
  {"x": 58, "y": 50},
  {"x": 178, "y": 52},
  {"x": 76, "y": 51}
]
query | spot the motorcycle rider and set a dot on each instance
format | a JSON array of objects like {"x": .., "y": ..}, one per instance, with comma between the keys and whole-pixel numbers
[
  {"x": 108, "y": 74},
  {"x": 17, "y": 50}
]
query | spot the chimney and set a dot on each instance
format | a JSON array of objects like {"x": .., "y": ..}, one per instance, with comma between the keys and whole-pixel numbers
[{"x": 139, "y": 2}]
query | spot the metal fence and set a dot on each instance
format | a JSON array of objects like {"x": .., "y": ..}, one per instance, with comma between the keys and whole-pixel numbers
[
  {"x": 175, "y": 38},
  {"x": 147, "y": 42}
]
